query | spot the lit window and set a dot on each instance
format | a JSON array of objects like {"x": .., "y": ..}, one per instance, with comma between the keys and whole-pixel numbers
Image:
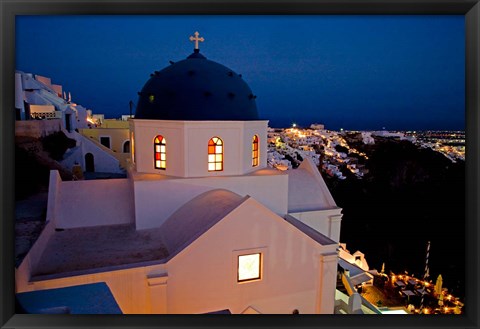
[
  {"x": 215, "y": 154},
  {"x": 159, "y": 152},
  {"x": 255, "y": 151},
  {"x": 133, "y": 147},
  {"x": 151, "y": 98},
  {"x": 249, "y": 267}
]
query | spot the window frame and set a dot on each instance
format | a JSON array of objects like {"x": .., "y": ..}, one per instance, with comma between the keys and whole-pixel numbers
[
  {"x": 109, "y": 141},
  {"x": 255, "y": 151},
  {"x": 162, "y": 142},
  {"x": 260, "y": 269},
  {"x": 212, "y": 150}
]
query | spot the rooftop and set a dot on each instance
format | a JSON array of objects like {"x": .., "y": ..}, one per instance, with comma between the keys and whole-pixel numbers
[
  {"x": 90, "y": 248},
  {"x": 304, "y": 191}
]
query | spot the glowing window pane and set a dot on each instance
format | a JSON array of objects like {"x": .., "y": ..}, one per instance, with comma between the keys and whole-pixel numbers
[
  {"x": 249, "y": 267},
  {"x": 160, "y": 152},
  {"x": 255, "y": 151},
  {"x": 133, "y": 147},
  {"x": 151, "y": 98},
  {"x": 215, "y": 154}
]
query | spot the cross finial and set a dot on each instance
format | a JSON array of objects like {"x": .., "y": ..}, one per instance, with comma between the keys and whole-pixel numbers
[{"x": 196, "y": 39}]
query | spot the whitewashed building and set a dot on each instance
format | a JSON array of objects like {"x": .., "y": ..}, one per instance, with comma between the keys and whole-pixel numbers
[{"x": 200, "y": 224}]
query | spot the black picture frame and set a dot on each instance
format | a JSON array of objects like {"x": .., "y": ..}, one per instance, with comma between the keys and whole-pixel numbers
[{"x": 10, "y": 8}]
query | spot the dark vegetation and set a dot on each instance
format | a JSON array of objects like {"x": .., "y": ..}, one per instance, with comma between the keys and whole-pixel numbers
[
  {"x": 409, "y": 197},
  {"x": 34, "y": 158},
  {"x": 56, "y": 144},
  {"x": 30, "y": 176}
]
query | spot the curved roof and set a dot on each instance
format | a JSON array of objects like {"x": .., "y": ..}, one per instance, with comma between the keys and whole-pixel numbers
[
  {"x": 196, "y": 89},
  {"x": 196, "y": 217}
]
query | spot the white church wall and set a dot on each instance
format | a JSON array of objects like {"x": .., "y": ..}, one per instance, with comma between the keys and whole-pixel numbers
[
  {"x": 94, "y": 203},
  {"x": 328, "y": 267},
  {"x": 145, "y": 132},
  {"x": 155, "y": 201},
  {"x": 252, "y": 128},
  {"x": 202, "y": 278},
  {"x": 187, "y": 146},
  {"x": 197, "y": 136},
  {"x": 128, "y": 286},
  {"x": 327, "y": 222},
  {"x": 270, "y": 190},
  {"x": 30, "y": 262}
]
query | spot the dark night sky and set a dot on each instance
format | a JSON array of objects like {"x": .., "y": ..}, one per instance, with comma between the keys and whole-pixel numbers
[{"x": 351, "y": 72}]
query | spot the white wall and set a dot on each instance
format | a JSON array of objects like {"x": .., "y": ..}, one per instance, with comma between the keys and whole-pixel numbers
[
  {"x": 94, "y": 203},
  {"x": 187, "y": 146},
  {"x": 128, "y": 286},
  {"x": 202, "y": 278},
  {"x": 269, "y": 190},
  {"x": 290, "y": 267},
  {"x": 145, "y": 132},
  {"x": 156, "y": 200},
  {"x": 328, "y": 222},
  {"x": 254, "y": 128},
  {"x": 104, "y": 162}
]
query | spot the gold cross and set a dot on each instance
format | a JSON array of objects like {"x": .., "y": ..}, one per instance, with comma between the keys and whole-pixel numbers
[{"x": 196, "y": 39}]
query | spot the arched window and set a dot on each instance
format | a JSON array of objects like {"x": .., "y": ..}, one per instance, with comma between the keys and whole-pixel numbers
[
  {"x": 215, "y": 154},
  {"x": 255, "y": 151},
  {"x": 159, "y": 152}
]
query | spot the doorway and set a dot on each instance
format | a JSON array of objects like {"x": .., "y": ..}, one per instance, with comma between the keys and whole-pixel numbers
[{"x": 89, "y": 163}]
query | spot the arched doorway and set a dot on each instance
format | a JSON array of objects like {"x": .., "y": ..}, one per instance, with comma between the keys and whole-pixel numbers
[
  {"x": 126, "y": 147},
  {"x": 89, "y": 163}
]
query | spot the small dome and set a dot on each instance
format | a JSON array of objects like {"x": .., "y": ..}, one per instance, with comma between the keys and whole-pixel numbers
[{"x": 196, "y": 89}]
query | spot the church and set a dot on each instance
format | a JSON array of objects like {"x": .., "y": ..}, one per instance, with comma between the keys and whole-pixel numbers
[{"x": 200, "y": 224}]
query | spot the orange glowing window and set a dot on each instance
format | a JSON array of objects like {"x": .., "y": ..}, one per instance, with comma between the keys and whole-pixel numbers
[
  {"x": 255, "y": 151},
  {"x": 215, "y": 154},
  {"x": 133, "y": 147},
  {"x": 249, "y": 267},
  {"x": 160, "y": 156}
]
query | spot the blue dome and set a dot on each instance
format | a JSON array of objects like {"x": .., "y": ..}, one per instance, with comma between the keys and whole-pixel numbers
[{"x": 196, "y": 89}]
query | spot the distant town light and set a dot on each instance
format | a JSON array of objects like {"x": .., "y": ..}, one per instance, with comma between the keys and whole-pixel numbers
[{"x": 294, "y": 125}]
